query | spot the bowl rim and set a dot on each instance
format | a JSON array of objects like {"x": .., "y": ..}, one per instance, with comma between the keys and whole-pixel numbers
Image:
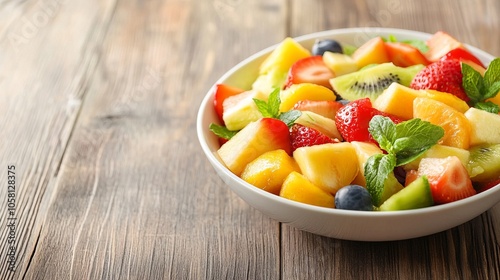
[{"x": 215, "y": 161}]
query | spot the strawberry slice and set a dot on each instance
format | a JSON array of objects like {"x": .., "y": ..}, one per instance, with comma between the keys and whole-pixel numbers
[
  {"x": 462, "y": 55},
  {"x": 304, "y": 136},
  {"x": 353, "y": 120},
  {"x": 404, "y": 55},
  {"x": 221, "y": 92},
  {"x": 309, "y": 70},
  {"x": 325, "y": 108},
  {"x": 448, "y": 179},
  {"x": 445, "y": 76},
  {"x": 486, "y": 186}
]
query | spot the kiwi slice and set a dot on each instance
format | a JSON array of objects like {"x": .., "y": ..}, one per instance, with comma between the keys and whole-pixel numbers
[
  {"x": 372, "y": 81},
  {"x": 417, "y": 194},
  {"x": 484, "y": 162}
]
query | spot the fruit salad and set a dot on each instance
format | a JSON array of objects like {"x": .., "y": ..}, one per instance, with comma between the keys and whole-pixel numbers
[{"x": 388, "y": 125}]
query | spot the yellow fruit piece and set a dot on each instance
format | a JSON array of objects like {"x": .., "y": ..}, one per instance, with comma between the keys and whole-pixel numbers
[
  {"x": 305, "y": 91},
  {"x": 297, "y": 188},
  {"x": 456, "y": 127},
  {"x": 282, "y": 58},
  {"x": 364, "y": 150},
  {"x": 340, "y": 63},
  {"x": 485, "y": 127},
  {"x": 328, "y": 166},
  {"x": 371, "y": 52},
  {"x": 269, "y": 170},
  {"x": 495, "y": 99},
  {"x": 398, "y": 99}
]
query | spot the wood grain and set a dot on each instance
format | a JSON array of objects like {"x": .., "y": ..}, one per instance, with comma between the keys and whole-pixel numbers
[{"x": 99, "y": 100}]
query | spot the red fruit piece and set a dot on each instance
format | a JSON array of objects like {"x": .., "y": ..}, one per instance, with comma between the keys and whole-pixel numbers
[
  {"x": 462, "y": 55},
  {"x": 404, "y": 55},
  {"x": 353, "y": 120},
  {"x": 325, "y": 108},
  {"x": 221, "y": 92},
  {"x": 303, "y": 136},
  {"x": 309, "y": 70},
  {"x": 445, "y": 76},
  {"x": 486, "y": 186},
  {"x": 448, "y": 179}
]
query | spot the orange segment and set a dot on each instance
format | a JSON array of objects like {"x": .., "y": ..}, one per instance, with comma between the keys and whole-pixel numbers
[{"x": 456, "y": 126}]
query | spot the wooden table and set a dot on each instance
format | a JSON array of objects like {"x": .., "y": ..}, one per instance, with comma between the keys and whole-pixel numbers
[{"x": 99, "y": 102}]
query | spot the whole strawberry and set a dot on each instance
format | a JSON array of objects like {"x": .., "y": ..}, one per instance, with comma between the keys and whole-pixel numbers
[
  {"x": 303, "y": 136},
  {"x": 353, "y": 120},
  {"x": 445, "y": 76}
]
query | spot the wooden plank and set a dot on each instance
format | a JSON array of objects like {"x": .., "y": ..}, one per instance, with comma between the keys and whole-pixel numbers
[
  {"x": 135, "y": 196},
  {"x": 47, "y": 47},
  {"x": 469, "y": 251}
]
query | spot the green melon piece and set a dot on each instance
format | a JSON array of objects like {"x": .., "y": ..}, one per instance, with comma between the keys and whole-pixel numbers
[
  {"x": 416, "y": 195},
  {"x": 372, "y": 81}
]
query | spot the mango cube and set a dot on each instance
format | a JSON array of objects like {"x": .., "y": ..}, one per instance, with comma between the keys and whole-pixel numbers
[{"x": 297, "y": 188}]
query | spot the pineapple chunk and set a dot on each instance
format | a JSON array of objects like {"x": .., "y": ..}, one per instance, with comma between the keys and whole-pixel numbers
[
  {"x": 297, "y": 188},
  {"x": 269, "y": 170},
  {"x": 485, "y": 127},
  {"x": 340, "y": 63},
  {"x": 305, "y": 91},
  {"x": 284, "y": 56},
  {"x": 240, "y": 110},
  {"x": 328, "y": 166},
  {"x": 440, "y": 151},
  {"x": 364, "y": 150}
]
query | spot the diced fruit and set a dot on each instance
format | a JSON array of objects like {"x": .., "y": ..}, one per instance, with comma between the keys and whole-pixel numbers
[
  {"x": 284, "y": 56},
  {"x": 416, "y": 195},
  {"x": 306, "y": 91},
  {"x": 371, "y": 52},
  {"x": 353, "y": 197},
  {"x": 440, "y": 44},
  {"x": 327, "y": 109},
  {"x": 339, "y": 63},
  {"x": 352, "y": 120},
  {"x": 455, "y": 124},
  {"x": 269, "y": 170},
  {"x": 445, "y": 76},
  {"x": 303, "y": 136},
  {"x": 297, "y": 188},
  {"x": 404, "y": 55},
  {"x": 221, "y": 92},
  {"x": 486, "y": 186},
  {"x": 464, "y": 56},
  {"x": 391, "y": 187},
  {"x": 324, "y": 125},
  {"x": 364, "y": 150},
  {"x": 372, "y": 81},
  {"x": 256, "y": 138},
  {"x": 485, "y": 127},
  {"x": 448, "y": 179},
  {"x": 273, "y": 71},
  {"x": 440, "y": 151},
  {"x": 240, "y": 110},
  {"x": 309, "y": 70},
  {"x": 484, "y": 163},
  {"x": 326, "y": 45},
  {"x": 328, "y": 166},
  {"x": 398, "y": 100}
]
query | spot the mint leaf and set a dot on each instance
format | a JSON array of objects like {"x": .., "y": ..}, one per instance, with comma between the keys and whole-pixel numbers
[
  {"x": 492, "y": 74},
  {"x": 413, "y": 138},
  {"x": 274, "y": 103},
  {"x": 377, "y": 169},
  {"x": 263, "y": 108},
  {"x": 493, "y": 90},
  {"x": 290, "y": 117},
  {"x": 472, "y": 83},
  {"x": 222, "y": 131},
  {"x": 418, "y": 44},
  {"x": 383, "y": 130},
  {"x": 488, "y": 107}
]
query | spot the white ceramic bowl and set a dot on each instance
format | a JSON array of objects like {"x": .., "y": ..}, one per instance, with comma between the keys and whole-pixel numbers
[{"x": 342, "y": 224}]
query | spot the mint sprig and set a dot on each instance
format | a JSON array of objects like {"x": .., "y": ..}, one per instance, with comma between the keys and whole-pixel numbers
[
  {"x": 479, "y": 88},
  {"x": 222, "y": 131},
  {"x": 418, "y": 44},
  {"x": 271, "y": 109},
  {"x": 403, "y": 142}
]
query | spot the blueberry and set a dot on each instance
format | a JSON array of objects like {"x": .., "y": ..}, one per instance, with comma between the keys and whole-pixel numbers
[
  {"x": 321, "y": 46},
  {"x": 353, "y": 197}
]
